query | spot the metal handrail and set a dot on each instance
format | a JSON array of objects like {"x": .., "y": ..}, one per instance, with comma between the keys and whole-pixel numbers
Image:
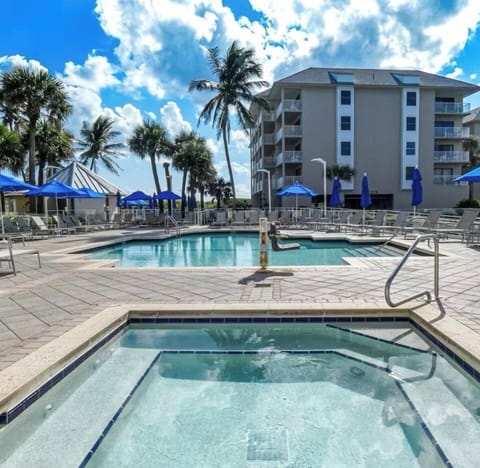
[
  {"x": 171, "y": 219},
  {"x": 381, "y": 246},
  {"x": 436, "y": 269}
]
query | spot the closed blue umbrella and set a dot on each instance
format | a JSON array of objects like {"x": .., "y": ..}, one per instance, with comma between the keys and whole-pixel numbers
[
  {"x": 365, "y": 200},
  {"x": 417, "y": 190},
  {"x": 119, "y": 199},
  {"x": 335, "y": 201}
]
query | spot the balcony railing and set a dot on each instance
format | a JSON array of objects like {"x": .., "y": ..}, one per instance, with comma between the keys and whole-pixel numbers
[
  {"x": 444, "y": 179},
  {"x": 288, "y": 131},
  {"x": 452, "y": 132},
  {"x": 451, "y": 108},
  {"x": 268, "y": 162},
  {"x": 290, "y": 105},
  {"x": 289, "y": 157},
  {"x": 451, "y": 156},
  {"x": 288, "y": 180},
  {"x": 268, "y": 139}
]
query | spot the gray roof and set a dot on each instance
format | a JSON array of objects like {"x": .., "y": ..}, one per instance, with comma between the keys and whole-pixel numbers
[
  {"x": 77, "y": 175},
  {"x": 473, "y": 116},
  {"x": 375, "y": 77}
]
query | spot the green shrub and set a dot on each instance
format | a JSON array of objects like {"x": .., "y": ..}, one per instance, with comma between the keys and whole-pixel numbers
[{"x": 466, "y": 203}]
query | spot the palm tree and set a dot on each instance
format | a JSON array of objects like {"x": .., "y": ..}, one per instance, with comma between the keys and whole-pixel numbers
[
  {"x": 220, "y": 190},
  {"x": 343, "y": 172},
  {"x": 29, "y": 94},
  {"x": 201, "y": 170},
  {"x": 150, "y": 139},
  {"x": 96, "y": 144},
  {"x": 472, "y": 145},
  {"x": 12, "y": 155},
  {"x": 233, "y": 88},
  {"x": 54, "y": 146}
]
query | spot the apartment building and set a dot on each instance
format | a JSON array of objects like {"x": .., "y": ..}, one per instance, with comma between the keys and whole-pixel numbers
[{"x": 382, "y": 122}]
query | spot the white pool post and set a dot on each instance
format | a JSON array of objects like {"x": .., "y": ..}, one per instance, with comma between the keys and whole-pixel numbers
[{"x": 263, "y": 228}]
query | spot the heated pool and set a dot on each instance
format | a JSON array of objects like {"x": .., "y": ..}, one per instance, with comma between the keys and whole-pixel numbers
[
  {"x": 230, "y": 249},
  {"x": 255, "y": 394}
]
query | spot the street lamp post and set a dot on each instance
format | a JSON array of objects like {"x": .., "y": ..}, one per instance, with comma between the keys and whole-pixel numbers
[
  {"x": 269, "y": 189},
  {"x": 321, "y": 160}
]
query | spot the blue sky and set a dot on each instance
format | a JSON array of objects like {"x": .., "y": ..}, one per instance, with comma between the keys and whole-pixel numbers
[{"x": 134, "y": 59}]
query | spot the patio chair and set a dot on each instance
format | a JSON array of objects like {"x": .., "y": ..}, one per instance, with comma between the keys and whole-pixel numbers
[
  {"x": 220, "y": 219},
  {"x": 400, "y": 223},
  {"x": 336, "y": 224},
  {"x": 463, "y": 227},
  {"x": 239, "y": 217},
  {"x": 39, "y": 228},
  {"x": 13, "y": 232},
  {"x": 354, "y": 222},
  {"x": 374, "y": 225},
  {"x": 254, "y": 217},
  {"x": 8, "y": 254},
  {"x": 63, "y": 226},
  {"x": 427, "y": 225}
]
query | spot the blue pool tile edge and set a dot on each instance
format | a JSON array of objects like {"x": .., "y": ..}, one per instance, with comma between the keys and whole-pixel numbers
[{"x": 8, "y": 416}]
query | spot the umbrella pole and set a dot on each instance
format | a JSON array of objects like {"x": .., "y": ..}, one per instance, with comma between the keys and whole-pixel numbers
[{"x": 3, "y": 223}]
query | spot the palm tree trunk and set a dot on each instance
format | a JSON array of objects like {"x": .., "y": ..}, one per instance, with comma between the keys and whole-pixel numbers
[
  {"x": 229, "y": 164},
  {"x": 31, "y": 152},
  {"x": 156, "y": 180},
  {"x": 168, "y": 178},
  {"x": 470, "y": 192},
  {"x": 184, "y": 184}
]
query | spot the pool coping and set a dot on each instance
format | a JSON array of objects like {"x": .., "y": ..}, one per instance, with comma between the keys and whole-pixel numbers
[{"x": 25, "y": 381}]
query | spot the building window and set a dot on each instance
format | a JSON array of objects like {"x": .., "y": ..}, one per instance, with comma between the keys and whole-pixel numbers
[
  {"x": 410, "y": 149},
  {"x": 409, "y": 172},
  {"x": 345, "y": 122},
  {"x": 411, "y": 98},
  {"x": 345, "y": 148},
  {"x": 411, "y": 124},
  {"x": 345, "y": 98}
]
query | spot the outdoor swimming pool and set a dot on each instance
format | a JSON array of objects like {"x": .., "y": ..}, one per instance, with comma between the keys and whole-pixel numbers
[
  {"x": 336, "y": 394},
  {"x": 229, "y": 249}
]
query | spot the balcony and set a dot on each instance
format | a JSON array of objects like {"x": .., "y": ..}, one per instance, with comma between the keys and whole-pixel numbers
[
  {"x": 268, "y": 162},
  {"x": 444, "y": 179},
  {"x": 452, "y": 132},
  {"x": 288, "y": 180},
  {"x": 451, "y": 156},
  {"x": 289, "y": 131},
  {"x": 289, "y": 105},
  {"x": 289, "y": 157},
  {"x": 268, "y": 139},
  {"x": 451, "y": 108}
]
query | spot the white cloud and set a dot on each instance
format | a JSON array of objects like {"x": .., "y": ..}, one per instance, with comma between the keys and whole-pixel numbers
[
  {"x": 457, "y": 72},
  {"x": 172, "y": 119},
  {"x": 8, "y": 61},
  {"x": 95, "y": 74},
  {"x": 473, "y": 76}
]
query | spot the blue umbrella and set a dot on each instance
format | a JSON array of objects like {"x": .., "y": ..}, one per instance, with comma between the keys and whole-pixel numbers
[
  {"x": 136, "y": 196},
  {"x": 136, "y": 203},
  {"x": 335, "y": 198},
  {"x": 11, "y": 184},
  {"x": 417, "y": 190},
  {"x": 297, "y": 190},
  {"x": 167, "y": 195},
  {"x": 89, "y": 193},
  {"x": 119, "y": 199},
  {"x": 365, "y": 200},
  {"x": 470, "y": 176}
]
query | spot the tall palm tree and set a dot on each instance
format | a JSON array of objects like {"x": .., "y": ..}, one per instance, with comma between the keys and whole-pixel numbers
[
  {"x": 201, "y": 170},
  {"x": 233, "y": 92},
  {"x": 220, "y": 190},
  {"x": 150, "y": 139},
  {"x": 31, "y": 94},
  {"x": 96, "y": 144},
  {"x": 54, "y": 146},
  {"x": 12, "y": 155},
  {"x": 181, "y": 158},
  {"x": 472, "y": 145}
]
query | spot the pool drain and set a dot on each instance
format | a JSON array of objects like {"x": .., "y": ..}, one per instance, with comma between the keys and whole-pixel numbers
[
  {"x": 267, "y": 445},
  {"x": 263, "y": 285},
  {"x": 356, "y": 371}
]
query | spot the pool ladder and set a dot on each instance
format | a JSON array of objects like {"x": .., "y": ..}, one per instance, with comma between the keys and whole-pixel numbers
[
  {"x": 173, "y": 221},
  {"x": 436, "y": 269}
]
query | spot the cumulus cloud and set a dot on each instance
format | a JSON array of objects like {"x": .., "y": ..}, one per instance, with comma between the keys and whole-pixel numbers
[
  {"x": 456, "y": 73},
  {"x": 172, "y": 119},
  {"x": 9, "y": 61},
  {"x": 95, "y": 74}
]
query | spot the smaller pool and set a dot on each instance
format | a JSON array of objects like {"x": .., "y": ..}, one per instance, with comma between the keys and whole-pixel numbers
[{"x": 230, "y": 250}]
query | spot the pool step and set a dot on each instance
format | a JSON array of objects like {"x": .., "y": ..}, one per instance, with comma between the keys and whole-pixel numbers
[
  {"x": 66, "y": 433},
  {"x": 455, "y": 429}
]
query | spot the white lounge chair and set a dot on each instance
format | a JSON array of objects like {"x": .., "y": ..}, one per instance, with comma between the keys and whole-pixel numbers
[{"x": 8, "y": 254}]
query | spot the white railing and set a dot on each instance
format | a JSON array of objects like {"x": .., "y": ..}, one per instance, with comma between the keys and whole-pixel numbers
[
  {"x": 289, "y": 157},
  {"x": 268, "y": 162},
  {"x": 292, "y": 105},
  {"x": 268, "y": 139},
  {"x": 451, "y": 156},
  {"x": 452, "y": 132},
  {"x": 444, "y": 179},
  {"x": 451, "y": 108}
]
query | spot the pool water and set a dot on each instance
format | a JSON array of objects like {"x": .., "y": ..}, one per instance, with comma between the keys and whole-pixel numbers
[
  {"x": 254, "y": 395},
  {"x": 225, "y": 249}
]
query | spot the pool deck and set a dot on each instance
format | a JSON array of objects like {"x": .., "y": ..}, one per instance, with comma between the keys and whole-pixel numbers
[{"x": 40, "y": 305}]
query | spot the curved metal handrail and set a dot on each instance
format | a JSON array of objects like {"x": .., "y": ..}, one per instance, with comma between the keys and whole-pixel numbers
[{"x": 436, "y": 267}]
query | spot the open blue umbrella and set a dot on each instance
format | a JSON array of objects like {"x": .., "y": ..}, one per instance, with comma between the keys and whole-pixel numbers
[
  {"x": 11, "y": 184},
  {"x": 470, "y": 176},
  {"x": 417, "y": 190},
  {"x": 335, "y": 201},
  {"x": 297, "y": 190},
  {"x": 167, "y": 195},
  {"x": 136, "y": 196},
  {"x": 143, "y": 203}
]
